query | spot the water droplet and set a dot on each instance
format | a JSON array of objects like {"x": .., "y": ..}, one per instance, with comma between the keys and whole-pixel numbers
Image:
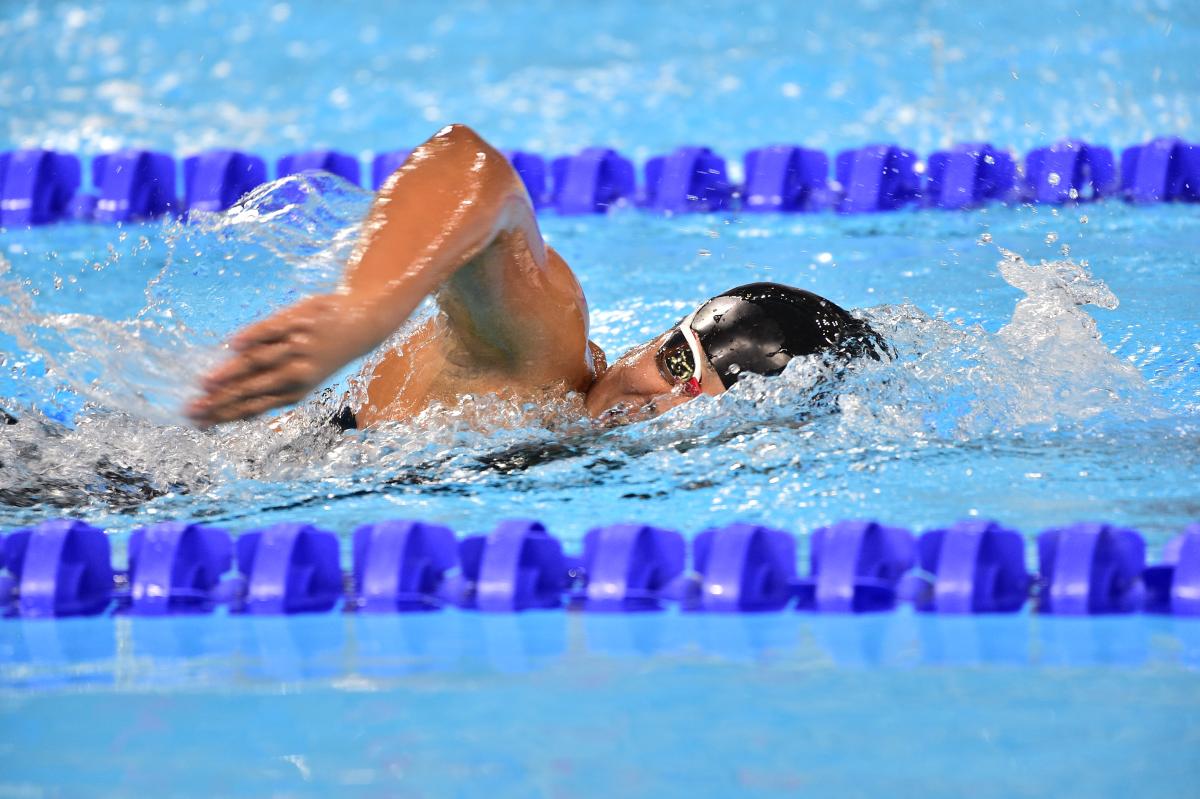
[
  {"x": 1083, "y": 220},
  {"x": 984, "y": 239},
  {"x": 1051, "y": 238},
  {"x": 1053, "y": 178},
  {"x": 703, "y": 253}
]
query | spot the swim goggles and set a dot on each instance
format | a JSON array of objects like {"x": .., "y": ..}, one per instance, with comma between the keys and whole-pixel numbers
[{"x": 679, "y": 358}]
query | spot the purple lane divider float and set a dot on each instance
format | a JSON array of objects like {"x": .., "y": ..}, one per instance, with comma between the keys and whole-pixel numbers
[
  {"x": 785, "y": 178},
  {"x": 879, "y": 177},
  {"x": 41, "y": 186},
  {"x": 63, "y": 568},
  {"x": 855, "y": 567},
  {"x": 341, "y": 164},
  {"x": 289, "y": 568},
  {"x": 82, "y": 207},
  {"x": 591, "y": 182},
  {"x": 176, "y": 567},
  {"x": 972, "y": 567},
  {"x": 629, "y": 567},
  {"x": 517, "y": 566},
  {"x": 968, "y": 175},
  {"x": 60, "y": 568},
  {"x": 36, "y": 186},
  {"x": 1166, "y": 169},
  {"x": 1174, "y": 585},
  {"x": 688, "y": 179},
  {"x": 133, "y": 185},
  {"x": 743, "y": 567},
  {"x": 215, "y": 180},
  {"x": 1090, "y": 568},
  {"x": 403, "y": 566},
  {"x": 1069, "y": 170}
]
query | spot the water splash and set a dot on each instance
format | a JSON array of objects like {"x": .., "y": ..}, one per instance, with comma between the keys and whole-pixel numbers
[
  {"x": 948, "y": 383},
  {"x": 215, "y": 272}
]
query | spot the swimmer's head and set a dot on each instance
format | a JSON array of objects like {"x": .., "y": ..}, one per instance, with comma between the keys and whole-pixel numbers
[{"x": 753, "y": 329}]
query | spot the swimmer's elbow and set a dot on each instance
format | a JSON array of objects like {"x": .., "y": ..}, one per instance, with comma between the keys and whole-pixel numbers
[
  {"x": 460, "y": 134},
  {"x": 480, "y": 154},
  {"x": 461, "y": 141},
  {"x": 462, "y": 167}
]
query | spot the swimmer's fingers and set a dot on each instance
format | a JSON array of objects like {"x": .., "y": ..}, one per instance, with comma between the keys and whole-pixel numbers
[
  {"x": 249, "y": 362},
  {"x": 246, "y": 409},
  {"x": 282, "y": 385}
]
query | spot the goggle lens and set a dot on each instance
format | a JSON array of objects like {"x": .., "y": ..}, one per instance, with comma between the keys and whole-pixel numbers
[{"x": 675, "y": 358}]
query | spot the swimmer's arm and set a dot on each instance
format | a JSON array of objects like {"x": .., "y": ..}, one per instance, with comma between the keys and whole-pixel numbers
[{"x": 455, "y": 203}]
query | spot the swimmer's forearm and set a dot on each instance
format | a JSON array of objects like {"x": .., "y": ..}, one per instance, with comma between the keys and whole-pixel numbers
[
  {"x": 440, "y": 210},
  {"x": 449, "y": 202}
]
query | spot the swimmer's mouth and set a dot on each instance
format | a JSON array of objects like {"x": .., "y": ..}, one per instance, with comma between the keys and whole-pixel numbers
[
  {"x": 627, "y": 413},
  {"x": 616, "y": 415}
]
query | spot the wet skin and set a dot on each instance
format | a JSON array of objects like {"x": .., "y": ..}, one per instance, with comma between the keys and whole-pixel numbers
[{"x": 456, "y": 222}]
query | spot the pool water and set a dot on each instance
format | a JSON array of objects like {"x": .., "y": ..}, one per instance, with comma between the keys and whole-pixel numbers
[{"x": 1045, "y": 373}]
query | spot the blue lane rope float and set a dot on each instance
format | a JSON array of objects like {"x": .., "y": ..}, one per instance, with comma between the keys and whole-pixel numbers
[
  {"x": 133, "y": 184},
  {"x": 879, "y": 177},
  {"x": 967, "y": 176},
  {"x": 785, "y": 178},
  {"x": 689, "y": 179},
  {"x": 1069, "y": 170},
  {"x": 1163, "y": 170},
  {"x": 592, "y": 181},
  {"x": 856, "y": 566},
  {"x": 63, "y": 568},
  {"x": 36, "y": 186},
  {"x": 217, "y": 179},
  {"x": 972, "y": 567},
  {"x": 40, "y": 186},
  {"x": 343, "y": 165}
]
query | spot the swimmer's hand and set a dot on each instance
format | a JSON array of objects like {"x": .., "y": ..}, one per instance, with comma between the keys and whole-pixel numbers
[{"x": 279, "y": 360}]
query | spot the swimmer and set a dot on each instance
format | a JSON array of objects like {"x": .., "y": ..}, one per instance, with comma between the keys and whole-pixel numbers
[{"x": 456, "y": 222}]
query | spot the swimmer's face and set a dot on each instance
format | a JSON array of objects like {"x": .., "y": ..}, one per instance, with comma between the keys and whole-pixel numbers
[{"x": 650, "y": 379}]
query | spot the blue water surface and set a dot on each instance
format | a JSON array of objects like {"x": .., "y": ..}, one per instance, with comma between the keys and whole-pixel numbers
[{"x": 1045, "y": 373}]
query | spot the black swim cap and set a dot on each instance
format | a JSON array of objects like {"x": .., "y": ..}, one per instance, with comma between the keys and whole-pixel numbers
[{"x": 759, "y": 327}]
